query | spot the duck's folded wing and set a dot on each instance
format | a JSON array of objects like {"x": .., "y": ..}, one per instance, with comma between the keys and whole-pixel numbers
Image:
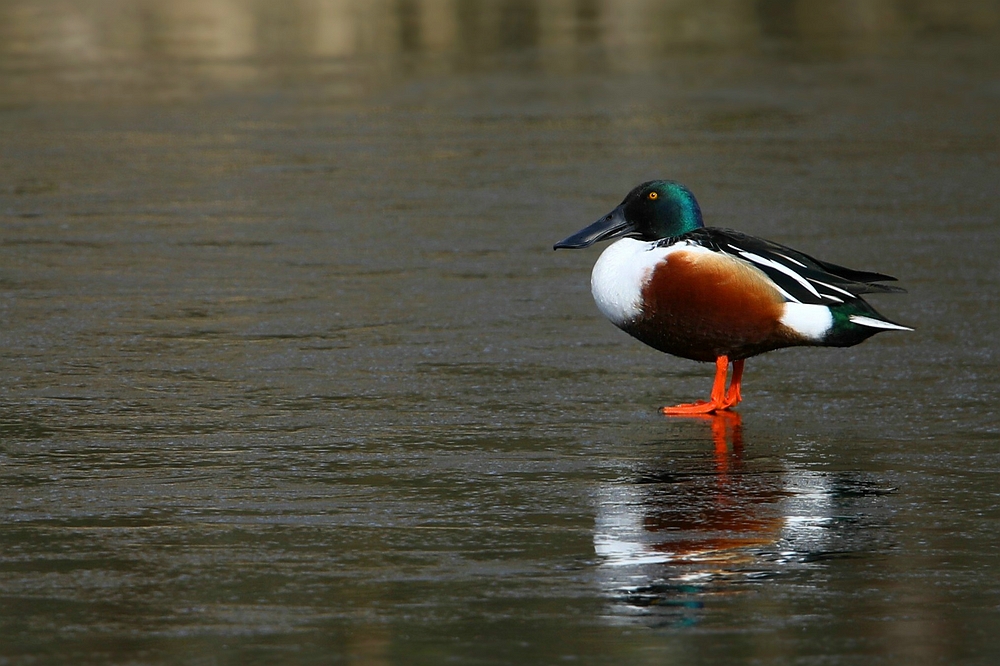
[{"x": 799, "y": 277}]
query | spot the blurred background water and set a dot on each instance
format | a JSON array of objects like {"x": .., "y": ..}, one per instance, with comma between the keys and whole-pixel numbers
[{"x": 290, "y": 373}]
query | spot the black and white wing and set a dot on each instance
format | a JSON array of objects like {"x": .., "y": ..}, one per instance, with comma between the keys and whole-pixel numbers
[{"x": 799, "y": 277}]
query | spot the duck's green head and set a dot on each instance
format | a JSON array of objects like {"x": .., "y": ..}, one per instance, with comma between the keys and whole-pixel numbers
[{"x": 654, "y": 210}]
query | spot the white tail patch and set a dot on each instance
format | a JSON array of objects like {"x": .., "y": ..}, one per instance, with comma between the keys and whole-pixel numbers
[
  {"x": 877, "y": 323},
  {"x": 810, "y": 321}
]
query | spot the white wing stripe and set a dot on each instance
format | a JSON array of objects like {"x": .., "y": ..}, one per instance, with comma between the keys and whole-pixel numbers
[
  {"x": 830, "y": 286},
  {"x": 794, "y": 261},
  {"x": 764, "y": 261},
  {"x": 784, "y": 293}
]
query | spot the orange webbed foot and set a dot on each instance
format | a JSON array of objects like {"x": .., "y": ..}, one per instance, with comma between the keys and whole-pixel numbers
[
  {"x": 721, "y": 399},
  {"x": 693, "y": 408}
]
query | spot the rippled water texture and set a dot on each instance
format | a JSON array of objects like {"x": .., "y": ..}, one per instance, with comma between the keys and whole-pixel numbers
[{"x": 290, "y": 372}]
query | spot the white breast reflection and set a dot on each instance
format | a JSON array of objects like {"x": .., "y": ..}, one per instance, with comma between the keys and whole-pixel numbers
[{"x": 706, "y": 516}]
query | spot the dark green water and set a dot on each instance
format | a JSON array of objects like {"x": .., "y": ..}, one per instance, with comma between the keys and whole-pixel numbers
[{"x": 289, "y": 372}]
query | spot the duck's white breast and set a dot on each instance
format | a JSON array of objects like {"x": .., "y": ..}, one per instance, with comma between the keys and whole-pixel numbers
[{"x": 620, "y": 273}]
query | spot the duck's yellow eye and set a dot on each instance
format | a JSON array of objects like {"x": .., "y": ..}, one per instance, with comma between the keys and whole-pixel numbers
[{"x": 653, "y": 195}]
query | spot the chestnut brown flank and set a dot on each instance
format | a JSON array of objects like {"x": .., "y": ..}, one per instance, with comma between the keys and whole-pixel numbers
[{"x": 702, "y": 305}]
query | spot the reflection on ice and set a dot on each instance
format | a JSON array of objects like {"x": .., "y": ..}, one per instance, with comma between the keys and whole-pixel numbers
[{"x": 693, "y": 522}]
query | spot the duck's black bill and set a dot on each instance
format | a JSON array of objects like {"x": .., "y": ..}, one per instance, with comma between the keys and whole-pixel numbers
[{"x": 612, "y": 225}]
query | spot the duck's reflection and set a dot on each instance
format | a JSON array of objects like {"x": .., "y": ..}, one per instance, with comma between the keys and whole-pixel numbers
[{"x": 702, "y": 517}]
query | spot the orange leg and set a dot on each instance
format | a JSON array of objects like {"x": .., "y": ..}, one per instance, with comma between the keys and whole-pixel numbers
[
  {"x": 734, "y": 395},
  {"x": 720, "y": 398}
]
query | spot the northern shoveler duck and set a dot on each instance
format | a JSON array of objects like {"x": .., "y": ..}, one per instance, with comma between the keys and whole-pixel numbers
[{"x": 711, "y": 294}]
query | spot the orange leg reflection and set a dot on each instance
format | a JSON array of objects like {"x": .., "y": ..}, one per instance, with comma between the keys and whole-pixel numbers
[
  {"x": 720, "y": 512},
  {"x": 727, "y": 435}
]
